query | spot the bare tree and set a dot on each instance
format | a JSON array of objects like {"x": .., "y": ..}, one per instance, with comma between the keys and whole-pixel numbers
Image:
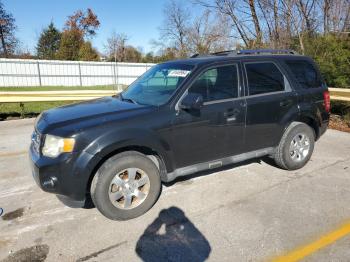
[
  {"x": 338, "y": 16},
  {"x": 209, "y": 34},
  {"x": 175, "y": 27},
  {"x": 244, "y": 19},
  {"x": 270, "y": 18},
  {"x": 306, "y": 10},
  {"x": 115, "y": 46},
  {"x": 228, "y": 8},
  {"x": 276, "y": 21},
  {"x": 346, "y": 25},
  {"x": 256, "y": 22},
  {"x": 326, "y": 6}
]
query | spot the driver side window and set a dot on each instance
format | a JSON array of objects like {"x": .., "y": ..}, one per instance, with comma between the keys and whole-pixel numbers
[{"x": 217, "y": 83}]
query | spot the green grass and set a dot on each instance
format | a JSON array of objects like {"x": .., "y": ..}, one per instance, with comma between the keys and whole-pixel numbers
[
  {"x": 29, "y": 109},
  {"x": 57, "y": 88}
]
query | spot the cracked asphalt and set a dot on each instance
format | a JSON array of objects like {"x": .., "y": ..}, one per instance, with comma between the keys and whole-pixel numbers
[{"x": 252, "y": 211}]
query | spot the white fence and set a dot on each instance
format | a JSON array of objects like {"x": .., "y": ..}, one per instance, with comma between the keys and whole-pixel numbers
[{"x": 27, "y": 72}]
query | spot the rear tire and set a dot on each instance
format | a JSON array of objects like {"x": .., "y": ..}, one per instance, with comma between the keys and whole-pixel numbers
[
  {"x": 126, "y": 186},
  {"x": 296, "y": 146}
]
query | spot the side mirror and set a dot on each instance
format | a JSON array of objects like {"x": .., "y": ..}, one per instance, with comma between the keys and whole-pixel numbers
[{"x": 192, "y": 101}]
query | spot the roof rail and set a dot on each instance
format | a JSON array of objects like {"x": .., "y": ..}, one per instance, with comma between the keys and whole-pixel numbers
[
  {"x": 195, "y": 55},
  {"x": 200, "y": 55},
  {"x": 247, "y": 52},
  {"x": 266, "y": 51},
  {"x": 221, "y": 53},
  {"x": 227, "y": 52}
]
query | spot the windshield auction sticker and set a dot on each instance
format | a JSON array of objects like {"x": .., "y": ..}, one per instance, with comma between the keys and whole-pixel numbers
[{"x": 178, "y": 73}]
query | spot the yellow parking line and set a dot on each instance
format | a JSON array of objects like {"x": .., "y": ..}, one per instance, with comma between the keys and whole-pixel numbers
[{"x": 322, "y": 242}]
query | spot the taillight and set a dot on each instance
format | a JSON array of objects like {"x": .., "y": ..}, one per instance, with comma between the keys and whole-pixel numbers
[{"x": 327, "y": 101}]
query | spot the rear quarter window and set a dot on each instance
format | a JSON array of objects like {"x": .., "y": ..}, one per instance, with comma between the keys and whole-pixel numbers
[{"x": 305, "y": 73}]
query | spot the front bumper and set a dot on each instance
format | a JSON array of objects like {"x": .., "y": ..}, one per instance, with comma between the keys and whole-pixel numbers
[{"x": 66, "y": 176}]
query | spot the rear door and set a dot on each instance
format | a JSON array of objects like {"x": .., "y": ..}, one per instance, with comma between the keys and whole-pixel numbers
[{"x": 270, "y": 100}]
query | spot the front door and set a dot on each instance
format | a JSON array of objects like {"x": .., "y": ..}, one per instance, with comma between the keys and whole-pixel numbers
[{"x": 217, "y": 129}]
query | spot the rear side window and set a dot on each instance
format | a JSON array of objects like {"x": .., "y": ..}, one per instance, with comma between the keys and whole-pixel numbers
[
  {"x": 305, "y": 73},
  {"x": 264, "y": 77}
]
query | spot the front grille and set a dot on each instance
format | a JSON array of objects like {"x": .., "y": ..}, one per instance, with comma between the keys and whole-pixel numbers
[{"x": 36, "y": 141}]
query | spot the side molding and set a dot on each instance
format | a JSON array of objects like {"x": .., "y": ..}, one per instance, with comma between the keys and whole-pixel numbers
[{"x": 217, "y": 163}]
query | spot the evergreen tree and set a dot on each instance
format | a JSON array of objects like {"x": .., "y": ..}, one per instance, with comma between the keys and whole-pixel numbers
[
  {"x": 49, "y": 42},
  {"x": 332, "y": 54},
  {"x": 78, "y": 27},
  {"x": 88, "y": 53},
  {"x": 70, "y": 44}
]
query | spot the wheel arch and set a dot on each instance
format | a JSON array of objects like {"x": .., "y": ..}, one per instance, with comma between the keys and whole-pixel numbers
[
  {"x": 304, "y": 117},
  {"x": 311, "y": 115},
  {"x": 148, "y": 151},
  {"x": 311, "y": 122}
]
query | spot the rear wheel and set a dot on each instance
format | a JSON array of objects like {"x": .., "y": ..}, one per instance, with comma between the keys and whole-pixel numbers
[
  {"x": 296, "y": 146},
  {"x": 126, "y": 186}
]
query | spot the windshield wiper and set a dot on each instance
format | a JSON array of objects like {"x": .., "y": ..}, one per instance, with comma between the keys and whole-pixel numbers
[{"x": 127, "y": 99}]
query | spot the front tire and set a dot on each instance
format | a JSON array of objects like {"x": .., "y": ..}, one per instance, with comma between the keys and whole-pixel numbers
[
  {"x": 126, "y": 186},
  {"x": 296, "y": 146}
]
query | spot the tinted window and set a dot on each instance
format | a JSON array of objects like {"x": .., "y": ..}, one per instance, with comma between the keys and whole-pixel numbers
[
  {"x": 264, "y": 78},
  {"x": 305, "y": 73},
  {"x": 217, "y": 83}
]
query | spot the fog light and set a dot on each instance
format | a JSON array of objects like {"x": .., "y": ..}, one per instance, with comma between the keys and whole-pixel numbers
[{"x": 51, "y": 183}]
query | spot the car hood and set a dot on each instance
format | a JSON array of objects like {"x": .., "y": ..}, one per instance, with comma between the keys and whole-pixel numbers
[{"x": 89, "y": 110}]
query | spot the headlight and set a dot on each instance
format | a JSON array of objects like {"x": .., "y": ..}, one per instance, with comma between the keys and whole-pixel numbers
[{"x": 55, "y": 145}]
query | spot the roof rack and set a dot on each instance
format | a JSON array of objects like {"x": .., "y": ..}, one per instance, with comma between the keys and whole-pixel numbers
[
  {"x": 248, "y": 52},
  {"x": 225, "y": 53},
  {"x": 266, "y": 51}
]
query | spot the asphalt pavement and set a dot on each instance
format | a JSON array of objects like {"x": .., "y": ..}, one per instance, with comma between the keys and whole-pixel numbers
[{"x": 252, "y": 211}]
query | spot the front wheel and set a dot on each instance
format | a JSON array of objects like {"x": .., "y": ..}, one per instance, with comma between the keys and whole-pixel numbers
[
  {"x": 126, "y": 186},
  {"x": 296, "y": 146}
]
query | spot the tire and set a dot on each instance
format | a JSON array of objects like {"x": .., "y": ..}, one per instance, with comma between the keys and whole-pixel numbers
[
  {"x": 114, "y": 178},
  {"x": 288, "y": 150}
]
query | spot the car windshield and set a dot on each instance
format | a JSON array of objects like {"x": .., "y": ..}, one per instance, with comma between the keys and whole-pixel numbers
[{"x": 157, "y": 85}]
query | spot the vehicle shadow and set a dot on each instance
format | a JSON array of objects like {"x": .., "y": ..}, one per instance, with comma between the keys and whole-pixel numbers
[
  {"x": 259, "y": 160},
  {"x": 172, "y": 237}
]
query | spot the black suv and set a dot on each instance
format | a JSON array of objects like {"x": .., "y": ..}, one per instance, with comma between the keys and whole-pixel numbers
[{"x": 179, "y": 118}]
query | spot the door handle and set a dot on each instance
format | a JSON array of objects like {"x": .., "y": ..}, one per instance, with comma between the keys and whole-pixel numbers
[
  {"x": 231, "y": 114},
  {"x": 231, "y": 119},
  {"x": 286, "y": 103}
]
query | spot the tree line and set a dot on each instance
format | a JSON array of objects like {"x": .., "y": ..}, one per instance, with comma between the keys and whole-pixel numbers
[{"x": 318, "y": 28}]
